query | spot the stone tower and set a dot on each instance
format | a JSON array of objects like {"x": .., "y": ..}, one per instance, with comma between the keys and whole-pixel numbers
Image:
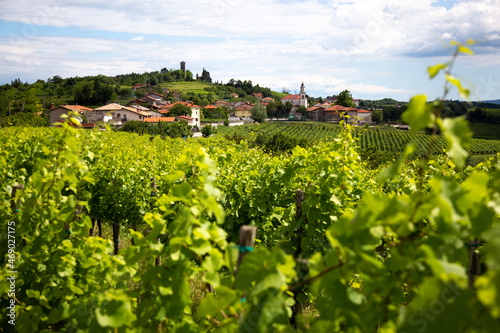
[{"x": 183, "y": 67}]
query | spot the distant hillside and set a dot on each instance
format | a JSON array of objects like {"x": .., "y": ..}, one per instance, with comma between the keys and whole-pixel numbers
[
  {"x": 494, "y": 101},
  {"x": 99, "y": 90}
]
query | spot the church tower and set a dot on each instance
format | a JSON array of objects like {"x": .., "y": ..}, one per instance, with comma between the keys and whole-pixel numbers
[{"x": 303, "y": 99}]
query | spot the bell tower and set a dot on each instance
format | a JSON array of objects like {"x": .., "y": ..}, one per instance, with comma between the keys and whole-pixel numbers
[{"x": 303, "y": 99}]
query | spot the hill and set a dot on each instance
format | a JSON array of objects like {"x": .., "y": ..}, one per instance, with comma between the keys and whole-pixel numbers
[
  {"x": 494, "y": 101},
  {"x": 94, "y": 91}
]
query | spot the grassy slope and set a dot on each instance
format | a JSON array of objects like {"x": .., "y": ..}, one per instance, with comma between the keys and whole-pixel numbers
[{"x": 185, "y": 87}]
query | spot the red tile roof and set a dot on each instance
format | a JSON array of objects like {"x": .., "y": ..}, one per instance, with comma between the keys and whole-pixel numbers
[
  {"x": 210, "y": 107},
  {"x": 185, "y": 118},
  {"x": 315, "y": 108},
  {"x": 190, "y": 104},
  {"x": 158, "y": 119},
  {"x": 76, "y": 108},
  {"x": 291, "y": 97},
  {"x": 244, "y": 107}
]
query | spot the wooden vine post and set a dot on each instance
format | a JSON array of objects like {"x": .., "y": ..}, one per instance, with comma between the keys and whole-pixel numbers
[
  {"x": 474, "y": 268},
  {"x": 14, "y": 204},
  {"x": 245, "y": 245},
  {"x": 298, "y": 307},
  {"x": 116, "y": 236},
  {"x": 99, "y": 226}
]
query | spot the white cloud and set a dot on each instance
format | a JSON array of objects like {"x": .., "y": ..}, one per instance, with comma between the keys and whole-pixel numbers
[{"x": 271, "y": 42}]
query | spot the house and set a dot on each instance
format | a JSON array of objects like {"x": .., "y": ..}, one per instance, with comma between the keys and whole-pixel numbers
[
  {"x": 234, "y": 95},
  {"x": 139, "y": 108},
  {"x": 153, "y": 100},
  {"x": 210, "y": 107},
  {"x": 220, "y": 104},
  {"x": 296, "y": 100},
  {"x": 316, "y": 113},
  {"x": 244, "y": 111},
  {"x": 191, "y": 121},
  {"x": 240, "y": 103},
  {"x": 156, "y": 120},
  {"x": 356, "y": 116},
  {"x": 259, "y": 96},
  {"x": 365, "y": 116},
  {"x": 116, "y": 113},
  {"x": 56, "y": 113},
  {"x": 267, "y": 100}
]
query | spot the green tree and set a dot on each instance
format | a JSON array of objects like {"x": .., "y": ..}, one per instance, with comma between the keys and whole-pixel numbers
[
  {"x": 258, "y": 113},
  {"x": 83, "y": 92},
  {"x": 287, "y": 108},
  {"x": 180, "y": 110},
  {"x": 477, "y": 116},
  {"x": 377, "y": 116},
  {"x": 205, "y": 76},
  {"x": 272, "y": 109},
  {"x": 302, "y": 110},
  {"x": 208, "y": 130},
  {"x": 345, "y": 99}
]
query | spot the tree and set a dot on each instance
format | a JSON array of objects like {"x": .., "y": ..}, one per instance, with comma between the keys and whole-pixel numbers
[
  {"x": 272, "y": 109},
  {"x": 287, "y": 108},
  {"x": 477, "y": 116},
  {"x": 302, "y": 110},
  {"x": 345, "y": 99},
  {"x": 377, "y": 116},
  {"x": 83, "y": 92},
  {"x": 208, "y": 130},
  {"x": 258, "y": 113},
  {"x": 180, "y": 110},
  {"x": 205, "y": 76}
]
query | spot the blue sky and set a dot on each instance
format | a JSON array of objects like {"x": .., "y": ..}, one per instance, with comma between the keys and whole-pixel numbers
[{"x": 374, "y": 48}]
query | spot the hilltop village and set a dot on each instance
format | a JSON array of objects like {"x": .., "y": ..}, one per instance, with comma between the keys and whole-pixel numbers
[{"x": 153, "y": 104}]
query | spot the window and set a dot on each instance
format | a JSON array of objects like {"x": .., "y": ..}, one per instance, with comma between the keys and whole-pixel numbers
[{"x": 117, "y": 115}]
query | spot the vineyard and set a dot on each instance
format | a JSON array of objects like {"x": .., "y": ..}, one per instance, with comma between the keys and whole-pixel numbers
[
  {"x": 391, "y": 140},
  {"x": 485, "y": 131},
  {"x": 109, "y": 231},
  {"x": 330, "y": 236}
]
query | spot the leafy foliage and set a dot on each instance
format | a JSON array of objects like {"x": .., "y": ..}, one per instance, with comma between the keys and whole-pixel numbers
[
  {"x": 178, "y": 129},
  {"x": 208, "y": 130},
  {"x": 258, "y": 113},
  {"x": 345, "y": 99}
]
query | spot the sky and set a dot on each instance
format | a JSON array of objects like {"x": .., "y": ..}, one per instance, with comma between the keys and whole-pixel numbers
[{"x": 373, "y": 48}]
